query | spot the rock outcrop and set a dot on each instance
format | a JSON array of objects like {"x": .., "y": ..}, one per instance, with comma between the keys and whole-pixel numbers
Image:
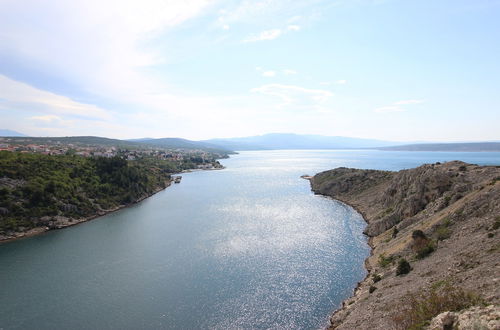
[
  {"x": 444, "y": 219},
  {"x": 472, "y": 318}
]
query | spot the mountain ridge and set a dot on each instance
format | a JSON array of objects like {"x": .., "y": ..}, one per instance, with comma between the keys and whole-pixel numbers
[
  {"x": 290, "y": 141},
  {"x": 167, "y": 143},
  {"x": 280, "y": 141},
  {"x": 11, "y": 133},
  {"x": 434, "y": 233},
  {"x": 452, "y": 146},
  {"x": 180, "y": 143}
]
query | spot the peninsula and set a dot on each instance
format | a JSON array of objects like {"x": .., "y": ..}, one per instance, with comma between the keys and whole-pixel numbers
[
  {"x": 434, "y": 233},
  {"x": 59, "y": 182}
]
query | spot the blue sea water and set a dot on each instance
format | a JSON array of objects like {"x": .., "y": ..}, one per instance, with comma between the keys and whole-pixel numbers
[{"x": 245, "y": 247}]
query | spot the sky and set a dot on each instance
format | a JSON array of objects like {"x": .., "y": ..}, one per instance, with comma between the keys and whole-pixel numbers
[{"x": 398, "y": 70}]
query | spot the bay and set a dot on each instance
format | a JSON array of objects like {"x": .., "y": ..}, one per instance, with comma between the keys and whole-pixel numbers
[{"x": 245, "y": 247}]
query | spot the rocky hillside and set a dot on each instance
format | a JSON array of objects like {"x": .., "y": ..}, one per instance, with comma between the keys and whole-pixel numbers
[
  {"x": 42, "y": 192},
  {"x": 435, "y": 236}
]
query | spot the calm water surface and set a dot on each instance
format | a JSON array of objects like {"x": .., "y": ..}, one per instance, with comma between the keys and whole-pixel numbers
[{"x": 246, "y": 247}]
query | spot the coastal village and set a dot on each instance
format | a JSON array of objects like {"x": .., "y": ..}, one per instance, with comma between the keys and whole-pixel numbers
[{"x": 204, "y": 159}]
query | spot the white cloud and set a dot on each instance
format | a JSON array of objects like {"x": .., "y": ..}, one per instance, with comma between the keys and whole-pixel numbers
[
  {"x": 271, "y": 34},
  {"x": 398, "y": 106},
  {"x": 391, "y": 108},
  {"x": 265, "y": 11},
  {"x": 294, "y": 19},
  {"x": 296, "y": 96},
  {"x": 100, "y": 46},
  {"x": 336, "y": 82},
  {"x": 264, "y": 35},
  {"x": 47, "y": 118},
  {"x": 106, "y": 50},
  {"x": 293, "y": 27},
  {"x": 49, "y": 123},
  {"x": 405, "y": 102},
  {"x": 248, "y": 11},
  {"x": 289, "y": 72},
  {"x": 269, "y": 73},
  {"x": 17, "y": 96},
  {"x": 266, "y": 73}
]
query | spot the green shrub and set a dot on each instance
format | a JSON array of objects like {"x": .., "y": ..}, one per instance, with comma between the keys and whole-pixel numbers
[
  {"x": 418, "y": 234},
  {"x": 415, "y": 310},
  {"x": 384, "y": 261},
  {"x": 376, "y": 278},
  {"x": 442, "y": 233},
  {"x": 496, "y": 224},
  {"x": 372, "y": 288},
  {"x": 403, "y": 267},
  {"x": 388, "y": 211},
  {"x": 426, "y": 250},
  {"x": 494, "y": 181}
]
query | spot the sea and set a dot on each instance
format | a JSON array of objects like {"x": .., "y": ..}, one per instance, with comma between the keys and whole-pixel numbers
[{"x": 246, "y": 247}]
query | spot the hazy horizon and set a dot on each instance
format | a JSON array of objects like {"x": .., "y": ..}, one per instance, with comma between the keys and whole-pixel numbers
[
  {"x": 390, "y": 70},
  {"x": 264, "y": 134}
]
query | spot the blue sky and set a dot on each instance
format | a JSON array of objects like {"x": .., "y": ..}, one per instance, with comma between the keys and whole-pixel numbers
[{"x": 397, "y": 70}]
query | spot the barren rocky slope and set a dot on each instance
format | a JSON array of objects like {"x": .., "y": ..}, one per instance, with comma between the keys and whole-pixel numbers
[{"x": 443, "y": 219}]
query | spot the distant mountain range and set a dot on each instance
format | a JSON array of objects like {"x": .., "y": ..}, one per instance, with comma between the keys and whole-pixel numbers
[
  {"x": 458, "y": 147},
  {"x": 276, "y": 141},
  {"x": 178, "y": 143},
  {"x": 8, "y": 132},
  {"x": 296, "y": 141},
  {"x": 273, "y": 141},
  {"x": 166, "y": 143}
]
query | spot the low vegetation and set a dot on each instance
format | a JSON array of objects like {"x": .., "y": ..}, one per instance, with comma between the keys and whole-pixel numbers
[
  {"x": 34, "y": 186},
  {"x": 443, "y": 233},
  {"x": 415, "y": 310},
  {"x": 384, "y": 261},
  {"x": 422, "y": 245},
  {"x": 376, "y": 278},
  {"x": 426, "y": 250},
  {"x": 496, "y": 224},
  {"x": 403, "y": 267}
]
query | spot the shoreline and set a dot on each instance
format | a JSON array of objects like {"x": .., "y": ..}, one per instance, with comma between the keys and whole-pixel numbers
[
  {"x": 41, "y": 230},
  {"x": 366, "y": 263},
  {"x": 201, "y": 169}
]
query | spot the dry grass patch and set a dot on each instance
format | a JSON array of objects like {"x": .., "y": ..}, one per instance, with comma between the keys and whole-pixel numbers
[{"x": 415, "y": 310}]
